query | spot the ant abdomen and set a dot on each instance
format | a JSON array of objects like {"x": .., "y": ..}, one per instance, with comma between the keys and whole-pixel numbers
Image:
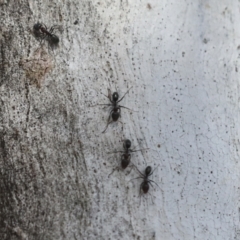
[
  {"x": 125, "y": 160},
  {"x": 115, "y": 116},
  {"x": 54, "y": 39},
  {"x": 145, "y": 186}
]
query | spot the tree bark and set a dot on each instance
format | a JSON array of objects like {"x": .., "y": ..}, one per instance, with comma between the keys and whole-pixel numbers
[{"x": 181, "y": 60}]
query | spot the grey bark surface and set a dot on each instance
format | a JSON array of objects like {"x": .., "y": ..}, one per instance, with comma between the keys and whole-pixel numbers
[{"x": 181, "y": 59}]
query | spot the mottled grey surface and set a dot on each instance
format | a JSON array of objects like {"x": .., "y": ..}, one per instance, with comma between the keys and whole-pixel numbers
[{"x": 181, "y": 58}]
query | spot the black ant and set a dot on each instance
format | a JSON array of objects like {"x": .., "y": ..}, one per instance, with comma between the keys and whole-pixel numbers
[
  {"x": 126, "y": 156},
  {"x": 40, "y": 30},
  {"x": 116, "y": 109},
  {"x": 144, "y": 187}
]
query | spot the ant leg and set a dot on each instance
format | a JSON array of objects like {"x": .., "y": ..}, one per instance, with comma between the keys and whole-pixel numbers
[
  {"x": 139, "y": 200},
  {"x": 43, "y": 38},
  {"x": 154, "y": 182},
  {"x": 151, "y": 197},
  {"x": 54, "y": 27},
  {"x": 135, "y": 178},
  {"x": 107, "y": 123},
  {"x": 140, "y": 172},
  {"x": 51, "y": 30},
  {"x": 124, "y": 95},
  {"x": 104, "y": 95},
  {"x": 44, "y": 26},
  {"x": 109, "y": 95},
  {"x": 116, "y": 152},
  {"x": 113, "y": 171},
  {"x": 129, "y": 157},
  {"x": 133, "y": 165},
  {"x": 131, "y": 168},
  {"x": 140, "y": 189},
  {"x": 138, "y": 150},
  {"x": 119, "y": 112},
  {"x": 106, "y": 127},
  {"x": 149, "y": 181},
  {"x": 39, "y": 35},
  {"x": 121, "y": 123},
  {"x": 127, "y": 108},
  {"x": 101, "y": 105}
]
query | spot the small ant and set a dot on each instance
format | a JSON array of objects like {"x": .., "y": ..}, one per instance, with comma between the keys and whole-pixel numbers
[
  {"x": 40, "y": 31},
  {"x": 126, "y": 156},
  {"x": 116, "y": 109},
  {"x": 145, "y": 184}
]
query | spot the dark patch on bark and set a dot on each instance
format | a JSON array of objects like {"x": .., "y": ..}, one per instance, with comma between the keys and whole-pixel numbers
[
  {"x": 3, "y": 149},
  {"x": 37, "y": 193}
]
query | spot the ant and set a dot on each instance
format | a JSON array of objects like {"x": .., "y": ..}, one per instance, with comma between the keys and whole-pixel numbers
[
  {"x": 116, "y": 109},
  {"x": 40, "y": 30},
  {"x": 126, "y": 156},
  {"x": 144, "y": 187}
]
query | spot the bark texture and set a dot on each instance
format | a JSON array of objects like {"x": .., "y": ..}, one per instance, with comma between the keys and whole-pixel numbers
[{"x": 182, "y": 60}]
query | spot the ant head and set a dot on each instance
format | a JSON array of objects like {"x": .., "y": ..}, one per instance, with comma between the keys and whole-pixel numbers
[
  {"x": 37, "y": 26},
  {"x": 148, "y": 170},
  {"x": 54, "y": 39},
  {"x": 127, "y": 144},
  {"x": 115, "y": 96}
]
